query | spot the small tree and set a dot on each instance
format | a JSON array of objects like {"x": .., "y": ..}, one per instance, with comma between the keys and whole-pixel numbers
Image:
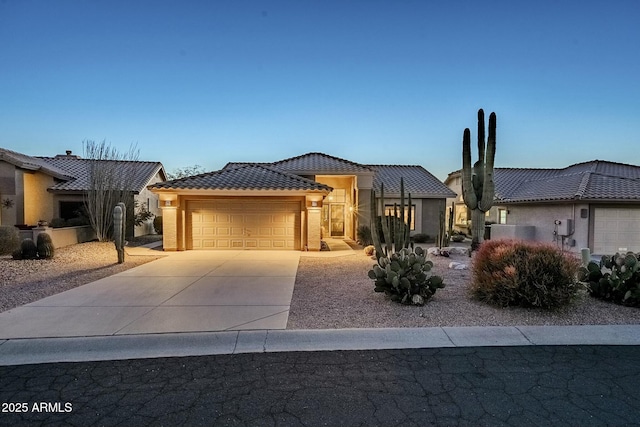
[
  {"x": 110, "y": 176},
  {"x": 185, "y": 171}
]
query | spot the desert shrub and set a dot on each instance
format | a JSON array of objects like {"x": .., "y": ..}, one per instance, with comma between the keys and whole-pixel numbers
[
  {"x": 406, "y": 277},
  {"x": 457, "y": 238},
  {"x": 77, "y": 221},
  {"x": 157, "y": 224},
  {"x": 509, "y": 272},
  {"x": 369, "y": 250},
  {"x": 58, "y": 223},
  {"x": 45, "y": 246},
  {"x": 364, "y": 235},
  {"x": 9, "y": 239},
  {"x": 420, "y": 238},
  {"x": 29, "y": 249},
  {"x": 616, "y": 278}
]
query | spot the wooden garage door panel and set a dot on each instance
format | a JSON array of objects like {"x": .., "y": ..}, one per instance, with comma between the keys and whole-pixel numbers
[
  {"x": 616, "y": 230},
  {"x": 243, "y": 224}
]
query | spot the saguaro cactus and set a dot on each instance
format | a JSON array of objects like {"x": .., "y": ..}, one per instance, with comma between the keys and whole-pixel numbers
[
  {"x": 477, "y": 183},
  {"x": 119, "y": 221}
]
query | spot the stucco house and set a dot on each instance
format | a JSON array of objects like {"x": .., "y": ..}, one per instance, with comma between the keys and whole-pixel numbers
[
  {"x": 593, "y": 205},
  {"x": 43, "y": 188},
  {"x": 289, "y": 204}
]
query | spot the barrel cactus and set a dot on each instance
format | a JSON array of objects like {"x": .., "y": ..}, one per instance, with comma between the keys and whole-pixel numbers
[
  {"x": 45, "y": 246},
  {"x": 29, "y": 249}
]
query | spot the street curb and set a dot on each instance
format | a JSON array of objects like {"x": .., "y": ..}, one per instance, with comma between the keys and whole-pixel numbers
[{"x": 125, "y": 347}]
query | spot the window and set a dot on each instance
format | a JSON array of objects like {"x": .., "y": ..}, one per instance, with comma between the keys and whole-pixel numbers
[
  {"x": 70, "y": 210},
  {"x": 502, "y": 216},
  {"x": 388, "y": 211},
  {"x": 338, "y": 195}
]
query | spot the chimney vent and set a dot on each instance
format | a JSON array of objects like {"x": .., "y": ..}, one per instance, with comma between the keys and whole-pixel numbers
[{"x": 68, "y": 152}]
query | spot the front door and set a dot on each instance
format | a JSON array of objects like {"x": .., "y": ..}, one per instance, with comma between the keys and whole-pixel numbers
[{"x": 337, "y": 220}]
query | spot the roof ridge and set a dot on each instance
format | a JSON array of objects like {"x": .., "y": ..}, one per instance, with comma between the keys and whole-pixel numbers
[
  {"x": 320, "y": 154},
  {"x": 90, "y": 159},
  {"x": 584, "y": 182}
]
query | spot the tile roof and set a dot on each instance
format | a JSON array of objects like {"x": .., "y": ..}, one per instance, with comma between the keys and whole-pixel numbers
[
  {"x": 596, "y": 180},
  {"x": 32, "y": 163},
  {"x": 250, "y": 176},
  {"x": 319, "y": 162},
  {"x": 138, "y": 173},
  {"x": 417, "y": 181}
]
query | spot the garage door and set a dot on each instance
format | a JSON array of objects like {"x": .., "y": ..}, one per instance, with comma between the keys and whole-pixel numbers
[
  {"x": 243, "y": 224},
  {"x": 616, "y": 230}
]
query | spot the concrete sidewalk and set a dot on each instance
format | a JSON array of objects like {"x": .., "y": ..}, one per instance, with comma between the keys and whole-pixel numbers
[{"x": 124, "y": 347}]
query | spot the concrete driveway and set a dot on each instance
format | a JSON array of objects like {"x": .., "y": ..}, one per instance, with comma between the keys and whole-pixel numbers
[{"x": 192, "y": 291}]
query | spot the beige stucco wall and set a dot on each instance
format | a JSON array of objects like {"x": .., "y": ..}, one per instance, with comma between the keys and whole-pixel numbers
[
  {"x": 542, "y": 217},
  {"x": 150, "y": 199},
  {"x": 38, "y": 202}
]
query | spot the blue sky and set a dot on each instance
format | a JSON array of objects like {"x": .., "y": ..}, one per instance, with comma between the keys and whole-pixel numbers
[{"x": 370, "y": 81}]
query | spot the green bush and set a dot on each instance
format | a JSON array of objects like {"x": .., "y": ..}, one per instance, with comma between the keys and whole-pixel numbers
[
  {"x": 45, "y": 246},
  {"x": 406, "y": 277},
  {"x": 517, "y": 273},
  {"x": 28, "y": 249},
  {"x": 364, "y": 235},
  {"x": 9, "y": 239},
  {"x": 616, "y": 278},
  {"x": 157, "y": 224}
]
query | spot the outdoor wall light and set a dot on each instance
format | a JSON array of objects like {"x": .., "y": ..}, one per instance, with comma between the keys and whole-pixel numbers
[
  {"x": 167, "y": 202},
  {"x": 314, "y": 203}
]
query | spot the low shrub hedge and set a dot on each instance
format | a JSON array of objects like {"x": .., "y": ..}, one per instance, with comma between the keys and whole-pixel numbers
[{"x": 518, "y": 273}]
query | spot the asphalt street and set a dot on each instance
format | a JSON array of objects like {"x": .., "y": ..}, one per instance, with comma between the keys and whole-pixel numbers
[{"x": 473, "y": 386}]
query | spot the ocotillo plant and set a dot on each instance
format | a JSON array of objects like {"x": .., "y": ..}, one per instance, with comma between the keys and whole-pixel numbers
[
  {"x": 395, "y": 229},
  {"x": 477, "y": 183},
  {"x": 119, "y": 221}
]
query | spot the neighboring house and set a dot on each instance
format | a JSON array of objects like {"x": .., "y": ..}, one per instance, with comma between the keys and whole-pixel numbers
[
  {"x": 289, "y": 204},
  {"x": 592, "y": 205},
  {"x": 43, "y": 188}
]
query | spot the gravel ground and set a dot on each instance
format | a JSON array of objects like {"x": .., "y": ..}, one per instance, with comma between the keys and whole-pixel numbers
[
  {"x": 336, "y": 293},
  {"x": 329, "y": 293},
  {"x": 25, "y": 281}
]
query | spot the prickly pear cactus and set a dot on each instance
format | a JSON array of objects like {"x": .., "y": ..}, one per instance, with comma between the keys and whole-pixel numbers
[
  {"x": 616, "y": 278},
  {"x": 45, "y": 246},
  {"x": 406, "y": 277}
]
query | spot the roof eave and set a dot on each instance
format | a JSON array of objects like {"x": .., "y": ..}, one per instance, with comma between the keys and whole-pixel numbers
[{"x": 236, "y": 192}]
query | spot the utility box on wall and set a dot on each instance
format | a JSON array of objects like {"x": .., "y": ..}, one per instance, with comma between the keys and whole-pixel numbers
[{"x": 565, "y": 227}]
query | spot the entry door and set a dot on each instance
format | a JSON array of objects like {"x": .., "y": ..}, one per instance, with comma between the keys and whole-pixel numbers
[{"x": 337, "y": 220}]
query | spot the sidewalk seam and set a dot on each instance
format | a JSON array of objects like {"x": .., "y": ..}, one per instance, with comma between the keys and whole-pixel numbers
[
  {"x": 448, "y": 337},
  {"x": 524, "y": 335}
]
